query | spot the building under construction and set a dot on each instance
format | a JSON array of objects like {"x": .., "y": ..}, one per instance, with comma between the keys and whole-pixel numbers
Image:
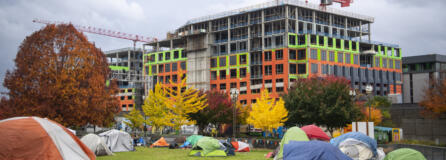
[
  {"x": 271, "y": 45},
  {"x": 126, "y": 69}
]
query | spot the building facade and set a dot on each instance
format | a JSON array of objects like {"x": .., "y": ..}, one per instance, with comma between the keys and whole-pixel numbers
[
  {"x": 126, "y": 69},
  {"x": 271, "y": 45},
  {"x": 419, "y": 72}
]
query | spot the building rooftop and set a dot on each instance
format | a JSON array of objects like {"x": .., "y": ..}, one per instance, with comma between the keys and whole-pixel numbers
[
  {"x": 424, "y": 58},
  {"x": 122, "y": 50},
  {"x": 274, "y": 3}
]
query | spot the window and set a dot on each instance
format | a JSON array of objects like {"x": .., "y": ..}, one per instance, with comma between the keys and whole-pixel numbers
[
  {"x": 279, "y": 89},
  {"x": 346, "y": 45},
  {"x": 130, "y": 105},
  {"x": 340, "y": 57},
  {"x": 242, "y": 72},
  {"x": 348, "y": 58},
  {"x": 122, "y": 97},
  {"x": 292, "y": 39},
  {"x": 160, "y": 57},
  {"x": 302, "y": 68},
  {"x": 313, "y": 39},
  {"x": 242, "y": 46},
  {"x": 213, "y": 75},
  {"x": 354, "y": 46},
  {"x": 244, "y": 102},
  {"x": 176, "y": 54},
  {"x": 330, "y": 42},
  {"x": 279, "y": 80},
  {"x": 167, "y": 67},
  {"x": 222, "y": 74},
  {"x": 174, "y": 78},
  {"x": 243, "y": 59},
  {"x": 397, "y": 52},
  {"x": 293, "y": 54},
  {"x": 269, "y": 81},
  {"x": 321, "y": 40},
  {"x": 161, "y": 68},
  {"x": 279, "y": 68},
  {"x": 279, "y": 54},
  {"x": 213, "y": 86},
  {"x": 314, "y": 68},
  {"x": 338, "y": 43},
  {"x": 183, "y": 54},
  {"x": 242, "y": 84},
  {"x": 174, "y": 67},
  {"x": 324, "y": 68},
  {"x": 279, "y": 41},
  {"x": 376, "y": 61},
  {"x": 213, "y": 62},
  {"x": 161, "y": 79},
  {"x": 268, "y": 70},
  {"x": 167, "y": 79},
  {"x": 153, "y": 69},
  {"x": 301, "y": 54},
  {"x": 183, "y": 65},
  {"x": 223, "y": 86},
  {"x": 384, "y": 63},
  {"x": 268, "y": 56},
  {"x": 233, "y": 73},
  {"x": 313, "y": 54},
  {"x": 152, "y": 58},
  {"x": 233, "y": 60},
  {"x": 222, "y": 48},
  {"x": 292, "y": 68},
  {"x": 222, "y": 61},
  {"x": 332, "y": 56},
  {"x": 390, "y": 63},
  {"x": 233, "y": 85},
  {"x": 356, "y": 59},
  {"x": 253, "y": 101},
  {"x": 323, "y": 55},
  {"x": 389, "y": 51},
  {"x": 233, "y": 47},
  {"x": 301, "y": 39},
  {"x": 397, "y": 64},
  {"x": 167, "y": 54}
]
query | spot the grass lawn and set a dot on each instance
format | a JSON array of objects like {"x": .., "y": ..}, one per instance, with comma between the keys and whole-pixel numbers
[{"x": 179, "y": 154}]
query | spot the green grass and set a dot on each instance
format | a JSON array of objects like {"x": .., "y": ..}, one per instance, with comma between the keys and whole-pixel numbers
[{"x": 180, "y": 154}]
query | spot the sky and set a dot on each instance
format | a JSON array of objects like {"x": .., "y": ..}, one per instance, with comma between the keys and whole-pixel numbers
[{"x": 418, "y": 26}]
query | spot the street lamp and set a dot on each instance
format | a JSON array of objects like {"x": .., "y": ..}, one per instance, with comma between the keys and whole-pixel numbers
[
  {"x": 234, "y": 96},
  {"x": 368, "y": 91}
]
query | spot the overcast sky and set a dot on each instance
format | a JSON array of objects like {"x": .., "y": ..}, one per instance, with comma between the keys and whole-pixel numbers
[{"x": 418, "y": 26}]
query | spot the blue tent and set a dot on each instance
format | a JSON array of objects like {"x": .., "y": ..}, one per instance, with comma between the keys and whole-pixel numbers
[
  {"x": 358, "y": 136},
  {"x": 312, "y": 150}
]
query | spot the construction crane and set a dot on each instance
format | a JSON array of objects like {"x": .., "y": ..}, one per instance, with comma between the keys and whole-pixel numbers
[
  {"x": 133, "y": 37},
  {"x": 325, "y": 3}
]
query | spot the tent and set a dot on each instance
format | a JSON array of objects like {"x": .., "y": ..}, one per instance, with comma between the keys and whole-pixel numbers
[
  {"x": 292, "y": 134},
  {"x": 191, "y": 141},
  {"x": 96, "y": 144},
  {"x": 405, "y": 154},
  {"x": 117, "y": 141},
  {"x": 38, "y": 138},
  {"x": 160, "y": 143},
  {"x": 208, "y": 147},
  {"x": 314, "y": 132},
  {"x": 358, "y": 136},
  {"x": 241, "y": 146},
  {"x": 312, "y": 150},
  {"x": 228, "y": 148},
  {"x": 356, "y": 149}
]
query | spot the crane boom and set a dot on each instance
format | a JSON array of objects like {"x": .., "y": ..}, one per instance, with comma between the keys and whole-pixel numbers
[{"x": 101, "y": 31}]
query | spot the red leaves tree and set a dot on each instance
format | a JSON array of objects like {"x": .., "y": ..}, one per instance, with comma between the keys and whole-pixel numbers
[
  {"x": 60, "y": 75},
  {"x": 435, "y": 98}
]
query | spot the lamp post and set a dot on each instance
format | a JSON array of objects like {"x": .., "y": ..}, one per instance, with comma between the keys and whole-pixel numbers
[
  {"x": 234, "y": 97},
  {"x": 369, "y": 90}
]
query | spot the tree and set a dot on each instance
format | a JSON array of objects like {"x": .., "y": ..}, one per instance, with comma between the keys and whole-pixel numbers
[
  {"x": 182, "y": 101},
  {"x": 135, "y": 118},
  {"x": 380, "y": 110},
  {"x": 434, "y": 100},
  {"x": 321, "y": 101},
  {"x": 155, "y": 108},
  {"x": 218, "y": 111},
  {"x": 375, "y": 117},
  {"x": 267, "y": 114},
  {"x": 60, "y": 75}
]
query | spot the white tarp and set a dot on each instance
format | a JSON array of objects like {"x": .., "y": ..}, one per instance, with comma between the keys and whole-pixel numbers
[
  {"x": 96, "y": 144},
  {"x": 117, "y": 141}
]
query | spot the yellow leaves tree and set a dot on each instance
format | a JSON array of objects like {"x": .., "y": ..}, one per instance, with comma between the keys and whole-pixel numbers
[
  {"x": 155, "y": 108},
  {"x": 267, "y": 114},
  {"x": 182, "y": 101},
  {"x": 135, "y": 118},
  {"x": 376, "y": 115}
]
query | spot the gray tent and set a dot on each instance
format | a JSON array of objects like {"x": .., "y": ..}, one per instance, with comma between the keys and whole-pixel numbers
[
  {"x": 96, "y": 144},
  {"x": 117, "y": 141}
]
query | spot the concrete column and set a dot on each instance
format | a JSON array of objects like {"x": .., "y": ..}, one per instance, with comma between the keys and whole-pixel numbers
[
  {"x": 157, "y": 48},
  {"x": 360, "y": 30},
  {"x": 263, "y": 29},
  {"x": 128, "y": 63},
  {"x": 248, "y": 45},
  {"x": 345, "y": 27},
  {"x": 370, "y": 30},
  {"x": 314, "y": 23},
  {"x": 286, "y": 27},
  {"x": 330, "y": 25},
  {"x": 297, "y": 20},
  {"x": 171, "y": 44},
  {"x": 229, "y": 36}
]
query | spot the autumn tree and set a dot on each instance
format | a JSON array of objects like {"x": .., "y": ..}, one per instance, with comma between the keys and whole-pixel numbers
[
  {"x": 182, "y": 101},
  {"x": 155, "y": 108},
  {"x": 267, "y": 113},
  {"x": 321, "y": 101},
  {"x": 218, "y": 111},
  {"x": 434, "y": 100},
  {"x": 135, "y": 119},
  {"x": 380, "y": 110},
  {"x": 60, "y": 75}
]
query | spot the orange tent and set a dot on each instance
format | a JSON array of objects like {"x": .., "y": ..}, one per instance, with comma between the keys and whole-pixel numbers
[
  {"x": 160, "y": 143},
  {"x": 38, "y": 138}
]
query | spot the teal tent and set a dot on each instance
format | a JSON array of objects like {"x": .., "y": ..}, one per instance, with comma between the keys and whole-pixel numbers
[
  {"x": 292, "y": 134},
  {"x": 208, "y": 147}
]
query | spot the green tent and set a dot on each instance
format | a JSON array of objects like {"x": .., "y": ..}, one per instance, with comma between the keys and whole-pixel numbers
[
  {"x": 207, "y": 147},
  {"x": 292, "y": 134},
  {"x": 405, "y": 154},
  {"x": 193, "y": 139}
]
